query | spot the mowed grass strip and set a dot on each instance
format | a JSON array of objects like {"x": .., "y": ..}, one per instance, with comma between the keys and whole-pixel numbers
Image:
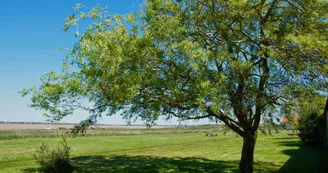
[{"x": 188, "y": 152}]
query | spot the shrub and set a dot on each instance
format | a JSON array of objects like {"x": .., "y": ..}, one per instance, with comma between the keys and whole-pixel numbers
[
  {"x": 56, "y": 160},
  {"x": 312, "y": 129}
]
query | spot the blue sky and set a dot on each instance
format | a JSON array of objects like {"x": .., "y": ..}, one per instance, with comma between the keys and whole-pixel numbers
[{"x": 30, "y": 38}]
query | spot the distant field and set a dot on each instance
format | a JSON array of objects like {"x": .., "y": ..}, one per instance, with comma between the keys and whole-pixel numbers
[
  {"x": 179, "y": 152},
  {"x": 57, "y": 126},
  {"x": 14, "y": 131}
]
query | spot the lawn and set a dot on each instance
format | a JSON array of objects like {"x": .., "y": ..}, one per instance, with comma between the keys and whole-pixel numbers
[{"x": 179, "y": 152}]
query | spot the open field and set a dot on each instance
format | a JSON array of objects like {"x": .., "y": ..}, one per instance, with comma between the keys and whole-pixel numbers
[
  {"x": 12, "y": 133},
  {"x": 59, "y": 126},
  {"x": 179, "y": 152}
]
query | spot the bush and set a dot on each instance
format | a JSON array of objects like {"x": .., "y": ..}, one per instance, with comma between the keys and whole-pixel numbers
[
  {"x": 312, "y": 129},
  {"x": 55, "y": 160}
]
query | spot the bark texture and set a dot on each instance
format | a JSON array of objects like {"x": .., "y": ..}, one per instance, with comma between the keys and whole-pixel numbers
[{"x": 247, "y": 155}]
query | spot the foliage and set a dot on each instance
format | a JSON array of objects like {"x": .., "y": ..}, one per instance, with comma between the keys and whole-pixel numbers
[
  {"x": 312, "y": 129},
  {"x": 290, "y": 122},
  {"x": 82, "y": 128},
  {"x": 54, "y": 160},
  {"x": 307, "y": 102},
  {"x": 228, "y": 60},
  {"x": 177, "y": 60},
  {"x": 269, "y": 123}
]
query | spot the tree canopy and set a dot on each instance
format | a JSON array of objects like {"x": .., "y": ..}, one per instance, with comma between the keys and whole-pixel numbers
[{"x": 229, "y": 60}]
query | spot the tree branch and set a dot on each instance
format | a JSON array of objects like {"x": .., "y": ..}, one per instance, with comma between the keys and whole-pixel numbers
[{"x": 235, "y": 126}]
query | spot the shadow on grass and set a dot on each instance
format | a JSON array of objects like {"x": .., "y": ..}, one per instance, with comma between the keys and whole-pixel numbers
[
  {"x": 290, "y": 143},
  {"x": 304, "y": 159},
  {"x": 150, "y": 164}
]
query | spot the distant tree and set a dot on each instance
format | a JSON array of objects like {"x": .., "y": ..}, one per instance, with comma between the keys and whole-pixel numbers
[
  {"x": 307, "y": 102},
  {"x": 290, "y": 122},
  {"x": 230, "y": 60}
]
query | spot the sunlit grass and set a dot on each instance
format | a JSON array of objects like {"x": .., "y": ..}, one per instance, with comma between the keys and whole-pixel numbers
[{"x": 178, "y": 152}]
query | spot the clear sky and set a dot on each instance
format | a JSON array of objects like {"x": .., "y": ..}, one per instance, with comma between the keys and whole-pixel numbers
[{"x": 30, "y": 38}]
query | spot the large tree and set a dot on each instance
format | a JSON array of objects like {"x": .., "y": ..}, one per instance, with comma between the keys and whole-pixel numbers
[{"x": 230, "y": 60}]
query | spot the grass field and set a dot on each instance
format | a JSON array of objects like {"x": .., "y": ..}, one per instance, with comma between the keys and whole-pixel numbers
[{"x": 178, "y": 152}]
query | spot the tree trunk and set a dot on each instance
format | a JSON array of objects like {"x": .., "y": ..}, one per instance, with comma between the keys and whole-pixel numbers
[
  {"x": 247, "y": 155},
  {"x": 325, "y": 113}
]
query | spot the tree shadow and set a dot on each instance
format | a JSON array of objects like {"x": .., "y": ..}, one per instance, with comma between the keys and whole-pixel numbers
[
  {"x": 304, "y": 159},
  {"x": 140, "y": 164},
  {"x": 290, "y": 143},
  {"x": 150, "y": 164}
]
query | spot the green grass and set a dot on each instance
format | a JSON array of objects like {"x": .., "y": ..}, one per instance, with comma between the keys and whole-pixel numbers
[{"x": 179, "y": 152}]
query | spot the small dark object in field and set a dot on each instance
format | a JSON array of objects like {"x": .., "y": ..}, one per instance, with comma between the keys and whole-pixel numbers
[{"x": 210, "y": 134}]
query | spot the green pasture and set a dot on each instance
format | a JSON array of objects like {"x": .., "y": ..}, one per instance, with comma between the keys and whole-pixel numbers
[{"x": 170, "y": 152}]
